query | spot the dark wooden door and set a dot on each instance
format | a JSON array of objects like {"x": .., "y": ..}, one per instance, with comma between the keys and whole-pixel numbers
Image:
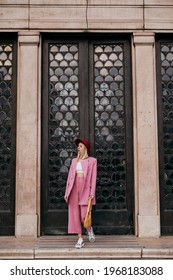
[
  {"x": 87, "y": 93},
  {"x": 7, "y": 133},
  {"x": 165, "y": 125}
]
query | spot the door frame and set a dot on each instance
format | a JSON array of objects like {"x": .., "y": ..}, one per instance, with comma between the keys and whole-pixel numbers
[{"x": 84, "y": 130}]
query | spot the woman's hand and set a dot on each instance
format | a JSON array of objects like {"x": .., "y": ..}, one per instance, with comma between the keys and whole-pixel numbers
[{"x": 65, "y": 198}]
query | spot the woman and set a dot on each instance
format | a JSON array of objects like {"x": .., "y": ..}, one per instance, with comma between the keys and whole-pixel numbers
[{"x": 81, "y": 184}]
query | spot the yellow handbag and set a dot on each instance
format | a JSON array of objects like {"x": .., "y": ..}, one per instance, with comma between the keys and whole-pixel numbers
[{"x": 88, "y": 218}]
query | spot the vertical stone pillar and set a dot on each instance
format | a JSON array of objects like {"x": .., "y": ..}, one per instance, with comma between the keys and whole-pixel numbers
[
  {"x": 27, "y": 135},
  {"x": 145, "y": 137}
]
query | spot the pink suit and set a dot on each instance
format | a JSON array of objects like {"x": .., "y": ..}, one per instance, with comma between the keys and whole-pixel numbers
[{"x": 78, "y": 190}]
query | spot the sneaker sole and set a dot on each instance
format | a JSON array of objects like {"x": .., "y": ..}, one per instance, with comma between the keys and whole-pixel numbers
[
  {"x": 79, "y": 247},
  {"x": 92, "y": 240}
]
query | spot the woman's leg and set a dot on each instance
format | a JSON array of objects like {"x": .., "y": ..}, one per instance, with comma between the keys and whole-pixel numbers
[
  {"x": 74, "y": 221},
  {"x": 74, "y": 215}
]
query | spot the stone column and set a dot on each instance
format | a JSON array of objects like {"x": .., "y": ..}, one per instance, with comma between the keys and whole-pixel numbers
[
  {"x": 27, "y": 135},
  {"x": 145, "y": 137}
]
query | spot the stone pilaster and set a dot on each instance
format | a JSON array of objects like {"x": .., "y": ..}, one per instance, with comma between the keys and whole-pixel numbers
[
  {"x": 145, "y": 137},
  {"x": 27, "y": 135}
]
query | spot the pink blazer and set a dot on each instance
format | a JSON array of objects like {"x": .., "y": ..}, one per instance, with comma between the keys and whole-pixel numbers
[{"x": 89, "y": 167}]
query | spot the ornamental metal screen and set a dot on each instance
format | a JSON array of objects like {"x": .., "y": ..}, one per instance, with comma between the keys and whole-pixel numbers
[
  {"x": 165, "y": 89},
  {"x": 63, "y": 117},
  {"x": 110, "y": 126},
  {"x": 7, "y": 136}
]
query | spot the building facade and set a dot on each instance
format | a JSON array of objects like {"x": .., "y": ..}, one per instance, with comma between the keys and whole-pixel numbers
[{"x": 95, "y": 69}]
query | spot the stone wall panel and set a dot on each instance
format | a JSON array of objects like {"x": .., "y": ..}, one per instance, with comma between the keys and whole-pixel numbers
[
  {"x": 13, "y": 16},
  {"x": 83, "y": 14},
  {"x": 57, "y": 17},
  {"x": 116, "y": 2},
  {"x": 59, "y": 2},
  {"x": 14, "y": 2},
  {"x": 159, "y": 17},
  {"x": 158, "y": 2},
  {"x": 108, "y": 17}
]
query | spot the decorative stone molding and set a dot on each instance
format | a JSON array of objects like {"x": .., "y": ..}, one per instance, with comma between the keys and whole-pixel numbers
[{"x": 28, "y": 38}]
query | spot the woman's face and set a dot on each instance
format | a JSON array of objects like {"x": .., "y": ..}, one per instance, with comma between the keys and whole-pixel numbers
[{"x": 81, "y": 149}]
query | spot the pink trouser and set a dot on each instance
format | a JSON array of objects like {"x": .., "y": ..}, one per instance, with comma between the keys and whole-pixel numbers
[{"x": 76, "y": 212}]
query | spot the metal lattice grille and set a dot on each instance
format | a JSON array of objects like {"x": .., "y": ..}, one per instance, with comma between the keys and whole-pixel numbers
[
  {"x": 167, "y": 107},
  {"x": 110, "y": 126},
  {"x": 63, "y": 117},
  {"x": 6, "y": 56}
]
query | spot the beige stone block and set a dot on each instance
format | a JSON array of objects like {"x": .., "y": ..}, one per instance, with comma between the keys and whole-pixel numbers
[
  {"x": 147, "y": 156},
  {"x": 14, "y": 2},
  {"x": 88, "y": 253},
  {"x": 28, "y": 38},
  {"x": 146, "y": 143},
  {"x": 110, "y": 17},
  {"x": 26, "y": 176},
  {"x": 26, "y": 167},
  {"x": 143, "y": 38},
  {"x": 116, "y": 2},
  {"x": 59, "y": 2},
  {"x": 157, "y": 253},
  {"x": 27, "y": 124},
  {"x": 12, "y": 17},
  {"x": 90, "y": 2},
  {"x": 158, "y": 2},
  {"x": 148, "y": 226},
  {"x": 62, "y": 17},
  {"x": 26, "y": 226},
  {"x": 16, "y": 254},
  {"x": 98, "y": 17},
  {"x": 148, "y": 192},
  {"x": 159, "y": 17}
]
